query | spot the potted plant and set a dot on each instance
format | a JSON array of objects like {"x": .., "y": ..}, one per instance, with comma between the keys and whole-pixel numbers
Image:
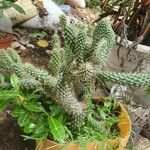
[{"x": 65, "y": 113}]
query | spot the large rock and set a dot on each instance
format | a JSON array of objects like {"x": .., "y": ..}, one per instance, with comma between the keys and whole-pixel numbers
[
  {"x": 5, "y": 24},
  {"x": 76, "y": 3},
  {"x": 50, "y": 21},
  {"x": 16, "y": 17}
]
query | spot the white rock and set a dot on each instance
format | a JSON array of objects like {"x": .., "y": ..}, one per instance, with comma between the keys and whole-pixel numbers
[
  {"x": 76, "y": 3},
  {"x": 48, "y": 52},
  {"x": 30, "y": 46},
  {"x": 24, "y": 40},
  {"x": 15, "y": 45},
  {"x": 51, "y": 21},
  {"x": 22, "y": 48}
]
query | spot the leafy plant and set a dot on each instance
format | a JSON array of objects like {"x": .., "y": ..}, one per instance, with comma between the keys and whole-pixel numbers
[{"x": 76, "y": 72}]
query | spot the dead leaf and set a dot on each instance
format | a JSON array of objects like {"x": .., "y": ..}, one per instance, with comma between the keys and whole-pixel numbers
[{"x": 42, "y": 43}]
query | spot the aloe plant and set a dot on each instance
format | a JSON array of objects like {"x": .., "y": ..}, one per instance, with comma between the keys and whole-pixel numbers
[{"x": 74, "y": 68}]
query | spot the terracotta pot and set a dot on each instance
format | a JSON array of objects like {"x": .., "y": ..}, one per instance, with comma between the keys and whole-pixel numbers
[
  {"x": 120, "y": 143},
  {"x": 5, "y": 42}
]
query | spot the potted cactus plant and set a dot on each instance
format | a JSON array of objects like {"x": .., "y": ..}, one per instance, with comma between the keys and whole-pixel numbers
[{"x": 67, "y": 105}]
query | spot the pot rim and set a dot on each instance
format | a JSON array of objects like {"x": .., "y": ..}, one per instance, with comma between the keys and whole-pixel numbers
[{"x": 140, "y": 47}]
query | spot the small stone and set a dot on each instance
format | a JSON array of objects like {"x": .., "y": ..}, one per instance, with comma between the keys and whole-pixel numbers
[
  {"x": 65, "y": 8},
  {"x": 48, "y": 52},
  {"x": 30, "y": 45},
  {"x": 22, "y": 47},
  {"x": 24, "y": 40},
  {"x": 15, "y": 45}
]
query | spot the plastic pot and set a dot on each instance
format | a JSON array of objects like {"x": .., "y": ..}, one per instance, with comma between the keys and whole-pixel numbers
[
  {"x": 5, "y": 42},
  {"x": 124, "y": 125}
]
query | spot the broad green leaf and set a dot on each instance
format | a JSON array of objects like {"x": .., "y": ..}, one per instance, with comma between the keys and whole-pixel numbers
[
  {"x": 29, "y": 128},
  {"x": 57, "y": 129},
  {"x": 24, "y": 119},
  {"x": 14, "y": 81},
  {"x": 34, "y": 107},
  {"x": 4, "y": 104},
  {"x": 41, "y": 128},
  {"x": 18, "y": 8},
  {"x": 55, "y": 110},
  {"x": 8, "y": 94},
  {"x": 17, "y": 112}
]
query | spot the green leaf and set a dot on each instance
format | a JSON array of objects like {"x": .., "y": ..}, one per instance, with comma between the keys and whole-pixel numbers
[
  {"x": 14, "y": 81},
  {"x": 34, "y": 107},
  {"x": 57, "y": 129},
  {"x": 40, "y": 128},
  {"x": 4, "y": 104},
  {"x": 17, "y": 112},
  {"x": 24, "y": 119},
  {"x": 29, "y": 128},
  {"x": 18, "y": 8},
  {"x": 55, "y": 110},
  {"x": 8, "y": 94},
  {"x": 33, "y": 97}
]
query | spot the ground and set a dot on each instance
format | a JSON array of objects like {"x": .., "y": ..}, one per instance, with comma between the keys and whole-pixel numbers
[{"x": 10, "y": 134}]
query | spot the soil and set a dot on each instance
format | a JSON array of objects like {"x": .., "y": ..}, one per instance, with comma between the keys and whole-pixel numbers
[
  {"x": 36, "y": 55},
  {"x": 10, "y": 134},
  {"x": 147, "y": 40}
]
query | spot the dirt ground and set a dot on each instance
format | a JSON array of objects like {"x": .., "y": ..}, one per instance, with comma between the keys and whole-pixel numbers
[{"x": 10, "y": 134}]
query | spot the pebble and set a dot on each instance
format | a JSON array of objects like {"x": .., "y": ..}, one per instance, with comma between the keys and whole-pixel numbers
[
  {"x": 30, "y": 46},
  {"x": 15, "y": 45},
  {"x": 22, "y": 48},
  {"x": 48, "y": 52},
  {"x": 24, "y": 40},
  {"x": 65, "y": 8}
]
